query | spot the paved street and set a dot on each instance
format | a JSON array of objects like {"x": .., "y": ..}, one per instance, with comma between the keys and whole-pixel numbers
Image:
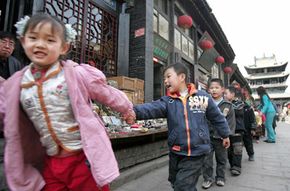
[{"x": 269, "y": 172}]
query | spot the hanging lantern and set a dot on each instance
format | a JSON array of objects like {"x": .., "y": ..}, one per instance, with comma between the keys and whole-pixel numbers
[
  {"x": 205, "y": 44},
  {"x": 228, "y": 70},
  {"x": 220, "y": 60},
  {"x": 184, "y": 21}
]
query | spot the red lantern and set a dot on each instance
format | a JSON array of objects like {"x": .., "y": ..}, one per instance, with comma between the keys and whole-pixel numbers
[
  {"x": 205, "y": 44},
  {"x": 228, "y": 70},
  {"x": 220, "y": 60},
  {"x": 184, "y": 21}
]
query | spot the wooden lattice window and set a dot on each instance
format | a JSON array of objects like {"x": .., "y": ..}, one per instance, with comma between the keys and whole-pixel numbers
[{"x": 97, "y": 32}]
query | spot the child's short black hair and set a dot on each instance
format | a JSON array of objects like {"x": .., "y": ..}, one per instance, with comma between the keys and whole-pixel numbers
[
  {"x": 238, "y": 93},
  {"x": 179, "y": 69},
  {"x": 217, "y": 80},
  {"x": 4, "y": 34}
]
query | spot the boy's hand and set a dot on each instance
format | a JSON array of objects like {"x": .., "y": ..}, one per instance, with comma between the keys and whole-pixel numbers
[
  {"x": 129, "y": 117},
  {"x": 226, "y": 142}
]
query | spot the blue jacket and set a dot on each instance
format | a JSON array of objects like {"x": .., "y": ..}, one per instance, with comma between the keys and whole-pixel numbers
[
  {"x": 267, "y": 106},
  {"x": 188, "y": 132}
]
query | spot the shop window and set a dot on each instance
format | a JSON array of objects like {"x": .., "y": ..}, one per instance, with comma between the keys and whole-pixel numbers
[
  {"x": 160, "y": 25},
  {"x": 215, "y": 71},
  {"x": 190, "y": 50},
  {"x": 177, "y": 39},
  {"x": 161, "y": 5},
  {"x": 163, "y": 27},
  {"x": 155, "y": 21},
  {"x": 184, "y": 45}
]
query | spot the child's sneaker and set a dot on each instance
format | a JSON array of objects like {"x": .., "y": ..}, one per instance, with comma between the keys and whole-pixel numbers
[
  {"x": 251, "y": 158},
  {"x": 235, "y": 172},
  {"x": 207, "y": 184},
  {"x": 220, "y": 183}
]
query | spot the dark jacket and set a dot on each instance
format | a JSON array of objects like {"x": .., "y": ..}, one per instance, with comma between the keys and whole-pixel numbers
[
  {"x": 188, "y": 132},
  {"x": 228, "y": 111},
  {"x": 9, "y": 66},
  {"x": 238, "y": 106},
  {"x": 14, "y": 65},
  {"x": 249, "y": 118}
]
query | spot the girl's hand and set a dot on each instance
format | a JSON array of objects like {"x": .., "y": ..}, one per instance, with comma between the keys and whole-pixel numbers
[{"x": 129, "y": 117}]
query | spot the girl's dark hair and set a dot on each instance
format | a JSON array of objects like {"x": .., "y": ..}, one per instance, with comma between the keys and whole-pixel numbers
[
  {"x": 179, "y": 69},
  {"x": 42, "y": 18},
  {"x": 262, "y": 91},
  {"x": 217, "y": 80}
]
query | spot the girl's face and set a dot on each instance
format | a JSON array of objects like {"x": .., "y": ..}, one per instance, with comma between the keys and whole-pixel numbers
[
  {"x": 42, "y": 46},
  {"x": 174, "y": 82},
  {"x": 229, "y": 96}
]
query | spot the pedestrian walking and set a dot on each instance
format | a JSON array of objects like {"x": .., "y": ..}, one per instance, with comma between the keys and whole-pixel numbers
[
  {"x": 216, "y": 89},
  {"x": 54, "y": 141},
  {"x": 236, "y": 149},
  {"x": 187, "y": 111},
  {"x": 268, "y": 109},
  {"x": 250, "y": 129}
]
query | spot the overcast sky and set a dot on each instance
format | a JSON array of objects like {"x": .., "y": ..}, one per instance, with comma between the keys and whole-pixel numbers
[{"x": 255, "y": 27}]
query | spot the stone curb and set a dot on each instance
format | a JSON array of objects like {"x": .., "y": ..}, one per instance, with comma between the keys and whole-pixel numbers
[{"x": 137, "y": 171}]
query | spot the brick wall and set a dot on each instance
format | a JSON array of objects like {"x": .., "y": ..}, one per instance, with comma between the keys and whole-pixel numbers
[{"x": 141, "y": 48}]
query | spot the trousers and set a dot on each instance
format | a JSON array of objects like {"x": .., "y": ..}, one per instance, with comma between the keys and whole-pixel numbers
[{"x": 70, "y": 173}]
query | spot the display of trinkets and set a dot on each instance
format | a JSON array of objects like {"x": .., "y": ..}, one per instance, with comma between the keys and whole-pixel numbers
[{"x": 114, "y": 123}]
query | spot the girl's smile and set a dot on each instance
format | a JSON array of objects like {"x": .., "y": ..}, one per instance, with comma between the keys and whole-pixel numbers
[{"x": 43, "y": 46}]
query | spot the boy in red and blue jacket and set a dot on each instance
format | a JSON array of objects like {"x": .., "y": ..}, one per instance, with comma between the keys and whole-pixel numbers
[{"x": 187, "y": 111}]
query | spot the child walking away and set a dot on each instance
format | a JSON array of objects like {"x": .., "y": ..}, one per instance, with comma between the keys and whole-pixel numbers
[
  {"x": 236, "y": 149},
  {"x": 250, "y": 129},
  {"x": 187, "y": 111},
  {"x": 54, "y": 141},
  {"x": 216, "y": 89}
]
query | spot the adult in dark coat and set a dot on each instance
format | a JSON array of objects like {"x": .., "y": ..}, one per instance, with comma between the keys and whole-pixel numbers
[{"x": 8, "y": 64}]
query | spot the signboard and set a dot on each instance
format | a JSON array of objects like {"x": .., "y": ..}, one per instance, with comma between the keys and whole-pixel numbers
[
  {"x": 161, "y": 47},
  {"x": 139, "y": 32}
]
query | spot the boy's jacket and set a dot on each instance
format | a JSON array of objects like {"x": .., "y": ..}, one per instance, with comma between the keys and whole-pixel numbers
[
  {"x": 239, "y": 113},
  {"x": 188, "y": 132},
  {"x": 228, "y": 111}
]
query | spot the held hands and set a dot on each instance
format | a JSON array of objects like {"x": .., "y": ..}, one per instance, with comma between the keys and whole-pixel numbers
[
  {"x": 226, "y": 142},
  {"x": 129, "y": 117}
]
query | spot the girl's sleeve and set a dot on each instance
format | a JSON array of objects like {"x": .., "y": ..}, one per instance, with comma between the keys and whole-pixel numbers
[
  {"x": 100, "y": 91},
  {"x": 2, "y": 106},
  {"x": 266, "y": 102}
]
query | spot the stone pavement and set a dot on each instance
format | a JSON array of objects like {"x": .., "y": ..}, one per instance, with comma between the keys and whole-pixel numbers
[{"x": 269, "y": 172}]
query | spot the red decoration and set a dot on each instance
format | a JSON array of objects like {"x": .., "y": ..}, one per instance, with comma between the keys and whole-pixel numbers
[
  {"x": 205, "y": 44},
  {"x": 228, "y": 70},
  {"x": 220, "y": 60},
  {"x": 184, "y": 21}
]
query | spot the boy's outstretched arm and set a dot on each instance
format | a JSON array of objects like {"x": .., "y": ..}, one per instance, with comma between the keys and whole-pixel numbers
[{"x": 153, "y": 110}]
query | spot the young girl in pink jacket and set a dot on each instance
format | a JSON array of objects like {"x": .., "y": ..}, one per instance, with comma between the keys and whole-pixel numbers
[{"x": 54, "y": 141}]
